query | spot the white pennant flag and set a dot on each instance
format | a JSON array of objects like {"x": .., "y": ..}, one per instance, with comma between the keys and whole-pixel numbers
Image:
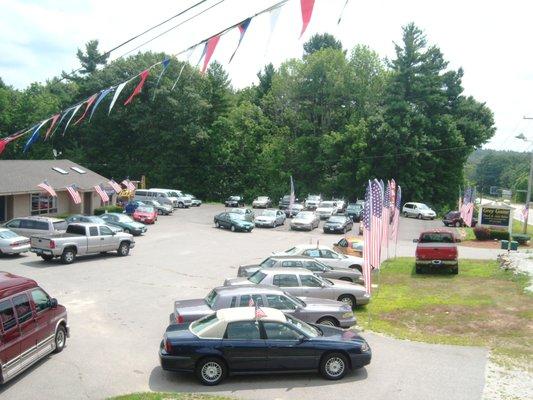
[
  {"x": 274, "y": 15},
  {"x": 117, "y": 93},
  {"x": 72, "y": 116},
  {"x": 189, "y": 54}
]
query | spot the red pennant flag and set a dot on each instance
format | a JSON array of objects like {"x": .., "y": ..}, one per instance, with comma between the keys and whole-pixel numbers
[
  {"x": 88, "y": 103},
  {"x": 307, "y": 11},
  {"x": 54, "y": 120},
  {"x": 5, "y": 141},
  {"x": 137, "y": 90},
  {"x": 210, "y": 49}
]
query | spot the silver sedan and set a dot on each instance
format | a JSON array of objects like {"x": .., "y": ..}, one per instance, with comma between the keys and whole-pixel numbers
[
  {"x": 11, "y": 243},
  {"x": 270, "y": 218},
  {"x": 301, "y": 282},
  {"x": 306, "y": 220}
]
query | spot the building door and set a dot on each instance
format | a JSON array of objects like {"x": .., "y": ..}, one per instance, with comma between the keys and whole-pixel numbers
[
  {"x": 87, "y": 203},
  {"x": 3, "y": 204}
]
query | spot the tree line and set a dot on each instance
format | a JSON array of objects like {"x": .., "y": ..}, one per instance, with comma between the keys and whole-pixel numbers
[{"x": 332, "y": 119}]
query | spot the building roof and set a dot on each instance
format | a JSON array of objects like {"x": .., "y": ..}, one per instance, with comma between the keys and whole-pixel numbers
[{"x": 23, "y": 176}]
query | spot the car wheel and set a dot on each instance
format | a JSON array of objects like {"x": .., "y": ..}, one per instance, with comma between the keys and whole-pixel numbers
[
  {"x": 345, "y": 278},
  {"x": 60, "y": 339},
  {"x": 348, "y": 299},
  {"x": 357, "y": 267},
  {"x": 68, "y": 256},
  {"x": 455, "y": 270},
  {"x": 47, "y": 257},
  {"x": 159, "y": 212},
  {"x": 232, "y": 228},
  {"x": 419, "y": 216},
  {"x": 217, "y": 225},
  {"x": 418, "y": 270},
  {"x": 334, "y": 366},
  {"x": 211, "y": 371},
  {"x": 328, "y": 321},
  {"x": 405, "y": 215},
  {"x": 123, "y": 249},
  {"x": 126, "y": 230},
  {"x": 457, "y": 224}
]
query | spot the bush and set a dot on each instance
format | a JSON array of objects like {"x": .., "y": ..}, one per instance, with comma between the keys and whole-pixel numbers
[
  {"x": 482, "y": 233},
  {"x": 521, "y": 238},
  {"x": 499, "y": 235},
  {"x": 112, "y": 208}
]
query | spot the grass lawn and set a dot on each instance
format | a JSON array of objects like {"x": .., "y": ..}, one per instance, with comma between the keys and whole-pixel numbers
[
  {"x": 482, "y": 306},
  {"x": 518, "y": 227},
  {"x": 168, "y": 396}
]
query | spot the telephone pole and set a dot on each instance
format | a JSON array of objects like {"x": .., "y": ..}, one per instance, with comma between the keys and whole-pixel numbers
[{"x": 528, "y": 195}]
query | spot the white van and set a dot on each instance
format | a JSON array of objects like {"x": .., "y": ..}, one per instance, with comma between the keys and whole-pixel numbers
[
  {"x": 178, "y": 199},
  {"x": 151, "y": 194}
]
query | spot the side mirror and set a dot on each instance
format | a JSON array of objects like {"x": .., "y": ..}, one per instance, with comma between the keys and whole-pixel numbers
[
  {"x": 415, "y": 240},
  {"x": 53, "y": 303}
]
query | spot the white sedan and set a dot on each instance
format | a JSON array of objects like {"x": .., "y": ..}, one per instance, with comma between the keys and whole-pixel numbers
[
  {"x": 326, "y": 255},
  {"x": 11, "y": 243}
]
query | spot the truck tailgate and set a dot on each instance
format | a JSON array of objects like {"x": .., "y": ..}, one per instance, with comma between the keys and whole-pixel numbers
[
  {"x": 436, "y": 251},
  {"x": 40, "y": 242}
]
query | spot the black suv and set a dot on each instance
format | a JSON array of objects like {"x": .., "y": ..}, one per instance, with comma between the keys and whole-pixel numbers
[{"x": 234, "y": 201}]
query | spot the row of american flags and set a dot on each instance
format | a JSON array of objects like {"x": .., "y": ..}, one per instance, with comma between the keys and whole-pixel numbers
[
  {"x": 380, "y": 219},
  {"x": 466, "y": 206},
  {"x": 73, "y": 189}
]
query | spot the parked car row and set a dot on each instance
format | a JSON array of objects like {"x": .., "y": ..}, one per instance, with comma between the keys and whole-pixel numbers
[{"x": 284, "y": 314}]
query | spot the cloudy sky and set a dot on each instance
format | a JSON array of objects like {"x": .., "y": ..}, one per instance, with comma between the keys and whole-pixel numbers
[{"x": 491, "y": 40}]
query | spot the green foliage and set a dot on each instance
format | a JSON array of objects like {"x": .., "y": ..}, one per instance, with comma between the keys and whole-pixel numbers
[
  {"x": 499, "y": 234},
  {"x": 482, "y": 233},
  {"x": 111, "y": 209},
  {"x": 332, "y": 120},
  {"x": 91, "y": 58},
  {"x": 521, "y": 238}
]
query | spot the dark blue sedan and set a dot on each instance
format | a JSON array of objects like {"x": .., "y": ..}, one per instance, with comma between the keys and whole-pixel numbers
[{"x": 245, "y": 340}]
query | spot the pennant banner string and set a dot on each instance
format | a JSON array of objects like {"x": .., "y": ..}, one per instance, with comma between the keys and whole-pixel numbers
[{"x": 342, "y": 12}]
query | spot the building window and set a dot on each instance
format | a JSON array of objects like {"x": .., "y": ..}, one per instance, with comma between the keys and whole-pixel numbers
[{"x": 43, "y": 204}]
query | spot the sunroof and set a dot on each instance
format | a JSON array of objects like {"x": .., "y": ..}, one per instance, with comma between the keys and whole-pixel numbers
[
  {"x": 78, "y": 170},
  {"x": 60, "y": 170}
]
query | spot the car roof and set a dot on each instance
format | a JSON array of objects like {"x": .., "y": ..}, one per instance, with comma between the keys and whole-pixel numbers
[
  {"x": 52, "y": 219},
  {"x": 354, "y": 239},
  {"x": 312, "y": 246},
  {"x": 11, "y": 284},
  {"x": 293, "y": 257},
  {"x": 301, "y": 271},
  {"x": 88, "y": 224},
  {"x": 247, "y": 289},
  {"x": 248, "y": 313}
]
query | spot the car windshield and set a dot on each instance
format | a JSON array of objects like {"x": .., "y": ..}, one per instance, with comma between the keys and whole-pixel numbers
[
  {"x": 237, "y": 217},
  {"x": 95, "y": 220},
  {"x": 354, "y": 207},
  {"x": 313, "y": 197},
  {"x": 304, "y": 215},
  {"x": 234, "y": 198},
  {"x": 155, "y": 203},
  {"x": 327, "y": 204},
  {"x": 257, "y": 277},
  {"x": 269, "y": 262},
  {"x": 60, "y": 225},
  {"x": 238, "y": 210},
  {"x": 173, "y": 194},
  {"x": 357, "y": 246},
  {"x": 124, "y": 218},
  {"x": 7, "y": 234},
  {"x": 145, "y": 209},
  {"x": 423, "y": 207},
  {"x": 436, "y": 237},
  {"x": 336, "y": 219},
  {"x": 296, "y": 299},
  {"x": 197, "y": 326},
  {"x": 262, "y": 198},
  {"x": 303, "y": 327},
  {"x": 211, "y": 298},
  {"x": 269, "y": 213}
]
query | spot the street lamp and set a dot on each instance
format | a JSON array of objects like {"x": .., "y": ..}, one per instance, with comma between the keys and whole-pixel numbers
[{"x": 528, "y": 195}]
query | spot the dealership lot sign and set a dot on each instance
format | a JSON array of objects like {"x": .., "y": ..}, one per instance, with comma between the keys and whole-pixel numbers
[{"x": 496, "y": 215}]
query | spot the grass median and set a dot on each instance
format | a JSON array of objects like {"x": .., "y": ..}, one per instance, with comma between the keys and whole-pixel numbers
[
  {"x": 168, "y": 396},
  {"x": 481, "y": 306}
]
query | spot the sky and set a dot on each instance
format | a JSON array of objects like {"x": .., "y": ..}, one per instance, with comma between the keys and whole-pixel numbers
[{"x": 490, "y": 40}]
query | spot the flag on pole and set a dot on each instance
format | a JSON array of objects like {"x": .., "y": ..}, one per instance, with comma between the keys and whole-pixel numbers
[
  {"x": 129, "y": 185},
  {"x": 251, "y": 302},
  {"x": 386, "y": 216},
  {"x": 101, "y": 192},
  {"x": 367, "y": 242},
  {"x": 292, "y": 197},
  {"x": 209, "y": 49},
  {"x": 376, "y": 221},
  {"x": 243, "y": 26},
  {"x": 88, "y": 103},
  {"x": 116, "y": 187},
  {"x": 47, "y": 188},
  {"x": 74, "y": 194},
  {"x": 396, "y": 220},
  {"x": 138, "y": 88},
  {"x": 307, "y": 11},
  {"x": 258, "y": 312},
  {"x": 525, "y": 212}
]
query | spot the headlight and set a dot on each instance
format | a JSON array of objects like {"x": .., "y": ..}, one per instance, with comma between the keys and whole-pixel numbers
[
  {"x": 347, "y": 315},
  {"x": 365, "y": 347}
]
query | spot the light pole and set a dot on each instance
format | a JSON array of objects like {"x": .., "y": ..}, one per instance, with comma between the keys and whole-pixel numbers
[{"x": 528, "y": 195}]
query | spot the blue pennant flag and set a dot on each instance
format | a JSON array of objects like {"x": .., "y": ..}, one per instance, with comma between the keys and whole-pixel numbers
[
  {"x": 165, "y": 63},
  {"x": 34, "y": 136},
  {"x": 102, "y": 95}
]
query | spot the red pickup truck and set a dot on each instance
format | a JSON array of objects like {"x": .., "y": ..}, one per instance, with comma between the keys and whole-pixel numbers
[{"x": 437, "y": 249}]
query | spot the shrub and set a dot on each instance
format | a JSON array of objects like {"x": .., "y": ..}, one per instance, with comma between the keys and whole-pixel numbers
[
  {"x": 499, "y": 235},
  {"x": 521, "y": 238},
  {"x": 103, "y": 210},
  {"x": 482, "y": 233}
]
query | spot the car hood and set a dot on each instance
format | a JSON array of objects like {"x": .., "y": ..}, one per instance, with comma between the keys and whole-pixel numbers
[
  {"x": 242, "y": 222},
  {"x": 264, "y": 218},
  {"x": 193, "y": 306},
  {"x": 337, "y": 283},
  {"x": 302, "y": 220},
  {"x": 324, "y": 209},
  {"x": 337, "y": 334},
  {"x": 16, "y": 239},
  {"x": 114, "y": 228},
  {"x": 314, "y": 303},
  {"x": 134, "y": 225},
  {"x": 236, "y": 281}
]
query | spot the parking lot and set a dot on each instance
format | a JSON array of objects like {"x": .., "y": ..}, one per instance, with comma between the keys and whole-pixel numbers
[{"x": 119, "y": 306}]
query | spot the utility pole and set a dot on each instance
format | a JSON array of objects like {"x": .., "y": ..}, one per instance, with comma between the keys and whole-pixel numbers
[{"x": 528, "y": 195}]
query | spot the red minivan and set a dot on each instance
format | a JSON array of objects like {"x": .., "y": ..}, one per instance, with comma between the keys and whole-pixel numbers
[{"x": 32, "y": 325}]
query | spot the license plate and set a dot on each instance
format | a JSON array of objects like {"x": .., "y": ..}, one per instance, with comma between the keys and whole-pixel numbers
[{"x": 331, "y": 229}]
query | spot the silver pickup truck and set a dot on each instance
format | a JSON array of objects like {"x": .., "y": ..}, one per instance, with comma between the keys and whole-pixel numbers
[{"x": 81, "y": 239}]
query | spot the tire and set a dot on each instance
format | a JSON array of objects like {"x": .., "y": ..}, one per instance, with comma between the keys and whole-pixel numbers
[
  {"x": 328, "y": 321},
  {"x": 47, "y": 257},
  {"x": 334, "y": 366},
  {"x": 159, "y": 212},
  {"x": 345, "y": 279},
  {"x": 68, "y": 256},
  {"x": 232, "y": 228},
  {"x": 123, "y": 249},
  {"x": 180, "y": 205},
  {"x": 348, "y": 299},
  {"x": 344, "y": 230},
  {"x": 406, "y": 215},
  {"x": 357, "y": 267},
  {"x": 457, "y": 224},
  {"x": 418, "y": 269},
  {"x": 211, "y": 371},
  {"x": 419, "y": 216},
  {"x": 126, "y": 230},
  {"x": 60, "y": 339},
  {"x": 455, "y": 270}
]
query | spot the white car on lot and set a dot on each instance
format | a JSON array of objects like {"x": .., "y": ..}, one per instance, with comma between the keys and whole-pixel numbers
[
  {"x": 326, "y": 209},
  {"x": 326, "y": 255},
  {"x": 270, "y": 218},
  {"x": 305, "y": 220},
  {"x": 12, "y": 243},
  {"x": 418, "y": 210},
  {"x": 262, "y": 202}
]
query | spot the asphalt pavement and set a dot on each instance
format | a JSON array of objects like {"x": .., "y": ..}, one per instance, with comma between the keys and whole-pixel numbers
[{"x": 118, "y": 310}]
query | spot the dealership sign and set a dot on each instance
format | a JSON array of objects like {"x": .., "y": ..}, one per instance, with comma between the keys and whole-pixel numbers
[{"x": 496, "y": 215}]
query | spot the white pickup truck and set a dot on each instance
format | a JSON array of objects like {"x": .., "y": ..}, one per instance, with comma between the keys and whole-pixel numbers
[{"x": 81, "y": 239}]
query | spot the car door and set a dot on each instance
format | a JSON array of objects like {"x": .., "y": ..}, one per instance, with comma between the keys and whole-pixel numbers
[
  {"x": 288, "y": 282},
  {"x": 28, "y": 327},
  {"x": 280, "y": 217},
  {"x": 243, "y": 347},
  {"x": 44, "y": 315},
  {"x": 107, "y": 239},
  {"x": 287, "y": 348},
  {"x": 312, "y": 286},
  {"x": 94, "y": 244},
  {"x": 10, "y": 336}
]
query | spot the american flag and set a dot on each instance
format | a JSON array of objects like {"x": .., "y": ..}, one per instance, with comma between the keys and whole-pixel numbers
[
  {"x": 525, "y": 212},
  {"x": 47, "y": 188},
  {"x": 292, "y": 196},
  {"x": 128, "y": 184},
  {"x": 467, "y": 209},
  {"x": 396, "y": 220},
  {"x": 251, "y": 302},
  {"x": 376, "y": 221},
  {"x": 72, "y": 190},
  {"x": 101, "y": 192},
  {"x": 386, "y": 216},
  {"x": 366, "y": 221},
  {"x": 258, "y": 312},
  {"x": 116, "y": 187}
]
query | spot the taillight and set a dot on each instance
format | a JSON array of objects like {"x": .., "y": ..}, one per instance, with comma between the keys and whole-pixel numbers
[
  {"x": 168, "y": 347},
  {"x": 179, "y": 318},
  {"x": 52, "y": 244}
]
